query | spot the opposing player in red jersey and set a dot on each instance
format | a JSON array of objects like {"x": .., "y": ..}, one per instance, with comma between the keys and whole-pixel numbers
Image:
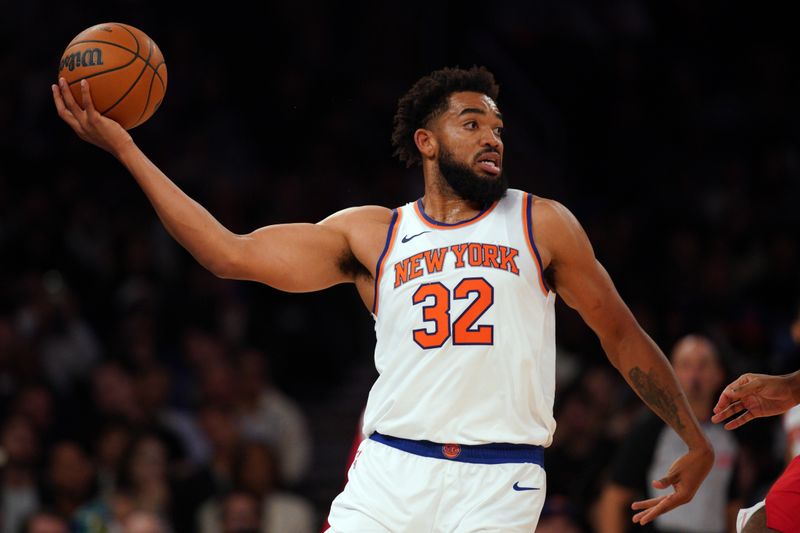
[{"x": 756, "y": 396}]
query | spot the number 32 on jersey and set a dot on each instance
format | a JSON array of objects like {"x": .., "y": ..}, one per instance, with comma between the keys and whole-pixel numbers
[{"x": 435, "y": 301}]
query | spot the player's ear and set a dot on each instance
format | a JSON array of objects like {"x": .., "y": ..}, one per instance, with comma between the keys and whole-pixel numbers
[{"x": 426, "y": 143}]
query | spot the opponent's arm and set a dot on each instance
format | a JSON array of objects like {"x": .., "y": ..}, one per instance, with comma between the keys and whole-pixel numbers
[
  {"x": 291, "y": 257},
  {"x": 757, "y": 395},
  {"x": 586, "y": 287}
]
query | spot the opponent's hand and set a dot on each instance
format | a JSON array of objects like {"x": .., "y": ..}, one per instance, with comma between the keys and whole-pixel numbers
[
  {"x": 87, "y": 122},
  {"x": 685, "y": 476},
  {"x": 757, "y": 395}
]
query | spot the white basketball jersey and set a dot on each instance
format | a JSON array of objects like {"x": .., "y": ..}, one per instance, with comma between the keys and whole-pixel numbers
[{"x": 465, "y": 330}]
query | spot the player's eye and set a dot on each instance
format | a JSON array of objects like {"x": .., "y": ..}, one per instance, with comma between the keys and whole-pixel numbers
[
  {"x": 499, "y": 131},
  {"x": 471, "y": 125}
]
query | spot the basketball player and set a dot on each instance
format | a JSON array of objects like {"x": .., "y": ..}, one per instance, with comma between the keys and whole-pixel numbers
[
  {"x": 756, "y": 396},
  {"x": 463, "y": 407}
]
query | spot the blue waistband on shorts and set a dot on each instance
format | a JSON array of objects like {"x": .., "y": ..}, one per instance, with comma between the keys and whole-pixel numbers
[{"x": 486, "y": 454}]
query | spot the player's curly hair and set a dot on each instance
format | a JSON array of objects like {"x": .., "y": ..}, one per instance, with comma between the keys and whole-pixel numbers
[{"x": 428, "y": 98}]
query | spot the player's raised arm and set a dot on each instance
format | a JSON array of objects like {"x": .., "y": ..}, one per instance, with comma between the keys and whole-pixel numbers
[
  {"x": 586, "y": 286},
  {"x": 291, "y": 257}
]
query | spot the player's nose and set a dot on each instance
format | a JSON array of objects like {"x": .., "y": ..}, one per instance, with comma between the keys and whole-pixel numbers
[{"x": 490, "y": 138}]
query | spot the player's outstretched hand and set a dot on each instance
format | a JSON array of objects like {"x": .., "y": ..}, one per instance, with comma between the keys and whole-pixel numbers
[
  {"x": 685, "y": 476},
  {"x": 757, "y": 395},
  {"x": 87, "y": 122}
]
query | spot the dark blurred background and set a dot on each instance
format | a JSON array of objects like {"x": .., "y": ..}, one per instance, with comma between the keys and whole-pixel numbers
[{"x": 669, "y": 128}]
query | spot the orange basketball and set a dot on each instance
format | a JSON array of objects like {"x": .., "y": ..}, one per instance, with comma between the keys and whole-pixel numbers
[{"x": 125, "y": 70}]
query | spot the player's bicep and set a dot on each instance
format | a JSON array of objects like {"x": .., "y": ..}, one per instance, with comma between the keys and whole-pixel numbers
[{"x": 293, "y": 257}]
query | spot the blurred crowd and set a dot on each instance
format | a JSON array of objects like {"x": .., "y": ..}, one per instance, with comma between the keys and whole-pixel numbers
[
  {"x": 139, "y": 393},
  {"x": 191, "y": 447}
]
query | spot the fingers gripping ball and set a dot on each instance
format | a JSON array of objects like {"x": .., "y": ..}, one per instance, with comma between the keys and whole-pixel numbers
[{"x": 125, "y": 69}]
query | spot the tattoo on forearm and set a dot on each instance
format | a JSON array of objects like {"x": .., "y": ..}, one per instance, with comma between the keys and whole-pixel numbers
[{"x": 656, "y": 397}]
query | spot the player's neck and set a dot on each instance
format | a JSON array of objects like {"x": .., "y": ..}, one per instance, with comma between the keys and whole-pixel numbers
[
  {"x": 448, "y": 210},
  {"x": 442, "y": 203}
]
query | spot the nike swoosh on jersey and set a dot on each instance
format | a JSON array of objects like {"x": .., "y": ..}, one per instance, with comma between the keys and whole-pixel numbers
[
  {"x": 517, "y": 487},
  {"x": 407, "y": 238}
]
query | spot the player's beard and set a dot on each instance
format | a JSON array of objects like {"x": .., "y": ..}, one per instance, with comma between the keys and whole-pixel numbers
[{"x": 469, "y": 185}]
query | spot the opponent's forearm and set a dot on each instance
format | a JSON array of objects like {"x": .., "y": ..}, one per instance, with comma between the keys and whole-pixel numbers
[
  {"x": 187, "y": 221},
  {"x": 650, "y": 375}
]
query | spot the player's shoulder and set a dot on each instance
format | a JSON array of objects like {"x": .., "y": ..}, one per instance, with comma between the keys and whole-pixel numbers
[
  {"x": 549, "y": 213},
  {"x": 360, "y": 215}
]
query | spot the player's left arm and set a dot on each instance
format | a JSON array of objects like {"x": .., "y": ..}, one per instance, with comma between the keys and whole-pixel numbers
[{"x": 585, "y": 286}]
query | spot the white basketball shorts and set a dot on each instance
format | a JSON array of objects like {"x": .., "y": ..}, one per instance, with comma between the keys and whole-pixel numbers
[{"x": 403, "y": 486}]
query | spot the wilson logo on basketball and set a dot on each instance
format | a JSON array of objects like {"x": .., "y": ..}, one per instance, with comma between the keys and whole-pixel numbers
[{"x": 85, "y": 58}]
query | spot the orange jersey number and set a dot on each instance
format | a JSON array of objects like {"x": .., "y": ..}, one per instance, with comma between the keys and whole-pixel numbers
[
  {"x": 464, "y": 329},
  {"x": 438, "y": 313}
]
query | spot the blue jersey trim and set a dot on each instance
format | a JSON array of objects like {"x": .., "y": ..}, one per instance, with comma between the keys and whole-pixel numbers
[
  {"x": 485, "y": 454},
  {"x": 381, "y": 258},
  {"x": 528, "y": 210}
]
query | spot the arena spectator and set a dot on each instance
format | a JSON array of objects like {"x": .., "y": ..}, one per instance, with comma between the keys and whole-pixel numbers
[
  {"x": 256, "y": 474},
  {"x": 143, "y": 483},
  {"x": 70, "y": 478},
  {"x": 144, "y": 522},
  {"x": 240, "y": 513},
  {"x": 44, "y": 522},
  {"x": 111, "y": 441},
  {"x": 20, "y": 450},
  {"x": 152, "y": 385},
  {"x": 267, "y": 414}
]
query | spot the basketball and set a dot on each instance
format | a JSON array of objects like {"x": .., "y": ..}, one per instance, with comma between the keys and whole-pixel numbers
[{"x": 125, "y": 70}]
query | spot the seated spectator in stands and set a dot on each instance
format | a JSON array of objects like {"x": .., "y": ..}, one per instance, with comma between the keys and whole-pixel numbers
[
  {"x": 107, "y": 513},
  {"x": 144, "y": 522},
  {"x": 145, "y": 474},
  {"x": 19, "y": 495},
  {"x": 143, "y": 484},
  {"x": 255, "y": 472},
  {"x": 67, "y": 345},
  {"x": 241, "y": 513},
  {"x": 152, "y": 386},
  {"x": 44, "y": 522},
  {"x": 112, "y": 440},
  {"x": 116, "y": 397},
  {"x": 35, "y": 402},
  {"x": 652, "y": 447},
  {"x": 267, "y": 414},
  {"x": 70, "y": 479},
  {"x": 113, "y": 394},
  {"x": 220, "y": 429}
]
